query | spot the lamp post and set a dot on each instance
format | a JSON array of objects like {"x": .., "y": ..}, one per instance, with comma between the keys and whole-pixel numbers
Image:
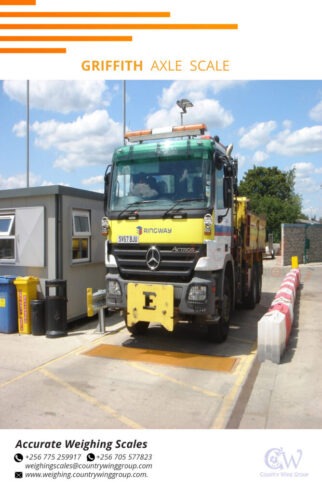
[
  {"x": 27, "y": 137},
  {"x": 183, "y": 105},
  {"x": 124, "y": 110}
]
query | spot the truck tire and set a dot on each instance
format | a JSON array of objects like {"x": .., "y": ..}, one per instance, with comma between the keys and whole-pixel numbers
[
  {"x": 251, "y": 298},
  {"x": 139, "y": 329},
  {"x": 218, "y": 332}
]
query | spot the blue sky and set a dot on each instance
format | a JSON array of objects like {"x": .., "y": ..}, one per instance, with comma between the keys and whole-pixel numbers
[{"x": 75, "y": 125}]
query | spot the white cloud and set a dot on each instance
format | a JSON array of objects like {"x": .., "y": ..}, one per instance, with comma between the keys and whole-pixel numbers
[
  {"x": 287, "y": 124},
  {"x": 204, "y": 110},
  {"x": 205, "y": 107},
  {"x": 258, "y": 135},
  {"x": 305, "y": 177},
  {"x": 193, "y": 90},
  {"x": 303, "y": 167},
  {"x": 19, "y": 181},
  {"x": 303, "y": 141},
  {"x": 316, "y": 112},
  {"x": 305, "y": 183},
  {"x": 19, "y": 129},
  {"x": 93, "y": 180},
  {"x": 87, "y": 141},
  {"x": 260, "y": 157},
  {"x": 94, "y": 183},
  {"x": 62, "y": 96}
]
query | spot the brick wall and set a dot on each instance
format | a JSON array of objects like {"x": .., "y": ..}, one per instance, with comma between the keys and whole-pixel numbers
[{"x": 300, "y": 240}]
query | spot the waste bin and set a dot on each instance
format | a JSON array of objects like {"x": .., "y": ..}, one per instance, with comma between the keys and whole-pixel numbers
[
  {"x": 38, "y": 327},
  {"x": 56, "y": 308},
  {"x": 26, "y": 292},
  {"x": 8, "y": 305}
]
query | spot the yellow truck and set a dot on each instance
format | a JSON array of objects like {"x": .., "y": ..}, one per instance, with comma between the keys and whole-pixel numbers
[{"x": 181, "y": 245}]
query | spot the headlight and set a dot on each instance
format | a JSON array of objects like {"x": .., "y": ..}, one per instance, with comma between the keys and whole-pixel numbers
[
  {"x": 207, "y": 224},
  {"x": 105, "y": 226},
  {"x": 197, "y": 293},
  {"x": 113, "y": 288}
]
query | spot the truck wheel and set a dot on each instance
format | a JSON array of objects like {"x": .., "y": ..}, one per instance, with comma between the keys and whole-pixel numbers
[
  {"x": 250, "y": 299},
  {"x": 139, "y": 329},
  {"x": 218, "y": 332}
]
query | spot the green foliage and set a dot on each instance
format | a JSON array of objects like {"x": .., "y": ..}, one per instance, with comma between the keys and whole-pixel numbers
[{"x": 271, "y": 192}]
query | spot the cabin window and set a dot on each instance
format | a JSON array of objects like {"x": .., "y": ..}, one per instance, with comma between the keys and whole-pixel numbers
[
  {"x": 81, "y": 240},
  {"x": 7, "y": 238},
  {"x": 220, "y": 189}
]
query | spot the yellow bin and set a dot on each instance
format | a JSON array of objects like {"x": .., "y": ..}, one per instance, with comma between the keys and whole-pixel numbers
[{"x": 26, "y": 292}]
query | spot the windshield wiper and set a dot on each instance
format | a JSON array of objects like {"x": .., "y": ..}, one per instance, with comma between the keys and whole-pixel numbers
[
  {"x": 181, "y": 201},
  {"x": 137, "y": 202}
]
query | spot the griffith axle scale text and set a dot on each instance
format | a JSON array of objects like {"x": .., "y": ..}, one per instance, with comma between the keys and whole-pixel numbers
[{"x": 156, "y": 66}]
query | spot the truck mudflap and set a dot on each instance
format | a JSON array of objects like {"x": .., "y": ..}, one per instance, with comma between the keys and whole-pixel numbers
[{"x": 153, "y": 303}]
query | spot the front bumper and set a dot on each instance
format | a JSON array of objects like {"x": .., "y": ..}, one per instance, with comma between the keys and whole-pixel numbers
[{"x": 188, "y": 299}]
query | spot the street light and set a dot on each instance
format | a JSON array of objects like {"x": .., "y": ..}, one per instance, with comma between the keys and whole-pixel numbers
[
  {"x": 124, "y": 110},
  {"x": 27, "y": 135},
  {"x": 183, "y": 105}
]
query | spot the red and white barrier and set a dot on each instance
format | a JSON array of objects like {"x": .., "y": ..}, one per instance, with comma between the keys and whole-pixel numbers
[{"x": 274, "y": 328}]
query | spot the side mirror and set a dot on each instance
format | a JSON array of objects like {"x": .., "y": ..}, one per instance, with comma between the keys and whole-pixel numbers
[
  {"x": 228, "y": 192},
  {"x": 107, "y": 185},
  {"x": 217, "y": 160}
]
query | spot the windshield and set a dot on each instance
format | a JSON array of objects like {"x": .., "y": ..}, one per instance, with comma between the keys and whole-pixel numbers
[{"x": 159, "y": 185}]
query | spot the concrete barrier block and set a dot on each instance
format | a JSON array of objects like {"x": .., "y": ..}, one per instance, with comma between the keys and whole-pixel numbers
[
  {"x": 284, "y": 308},
  {"x": 271, "y": 336},
  {"x": 289, "y": 306},
  {"x": 289, "y": 284},
  {"x": 295, "y": 275},
  {"x": 274, "y": 328},
  {"x": 287, "y": 294}
]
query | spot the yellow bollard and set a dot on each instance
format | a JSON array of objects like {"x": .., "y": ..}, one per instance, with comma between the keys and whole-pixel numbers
[
  {"x": 89, "y": 300},
  {"x": 295, "y": 262}
]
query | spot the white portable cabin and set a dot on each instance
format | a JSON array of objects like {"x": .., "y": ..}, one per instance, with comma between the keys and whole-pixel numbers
[{"x": 54, "y": 232}]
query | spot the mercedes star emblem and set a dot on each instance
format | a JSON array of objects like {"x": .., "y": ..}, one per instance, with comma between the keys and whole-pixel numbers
[{"x": 153, "y": 258}]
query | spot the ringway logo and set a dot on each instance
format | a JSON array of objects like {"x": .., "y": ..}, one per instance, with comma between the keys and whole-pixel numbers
[{"x": 154, "y": 231}]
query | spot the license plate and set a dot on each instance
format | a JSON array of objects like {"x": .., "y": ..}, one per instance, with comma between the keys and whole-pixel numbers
[{"x": 150, "y": 303}]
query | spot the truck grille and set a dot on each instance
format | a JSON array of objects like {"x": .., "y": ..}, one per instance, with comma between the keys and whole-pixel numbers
[{"x": 174, "y": 263}]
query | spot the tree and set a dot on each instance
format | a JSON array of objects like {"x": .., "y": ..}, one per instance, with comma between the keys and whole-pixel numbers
[{"x": 271, "y": 192}]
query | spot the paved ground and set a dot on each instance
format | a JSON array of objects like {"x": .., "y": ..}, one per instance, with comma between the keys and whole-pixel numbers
[
  {"x": 153, "y": 383},
  {"x": 289, "y": 395},
  {"x": 163, "y": 380},
  {"x": 44, "y": 381}
]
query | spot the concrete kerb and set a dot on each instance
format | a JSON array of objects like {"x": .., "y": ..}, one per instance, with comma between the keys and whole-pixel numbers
[{"x": 274, "y": 328}]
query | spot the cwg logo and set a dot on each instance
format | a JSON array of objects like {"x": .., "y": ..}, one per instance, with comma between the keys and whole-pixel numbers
[{"x": 278, "y": 460}]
